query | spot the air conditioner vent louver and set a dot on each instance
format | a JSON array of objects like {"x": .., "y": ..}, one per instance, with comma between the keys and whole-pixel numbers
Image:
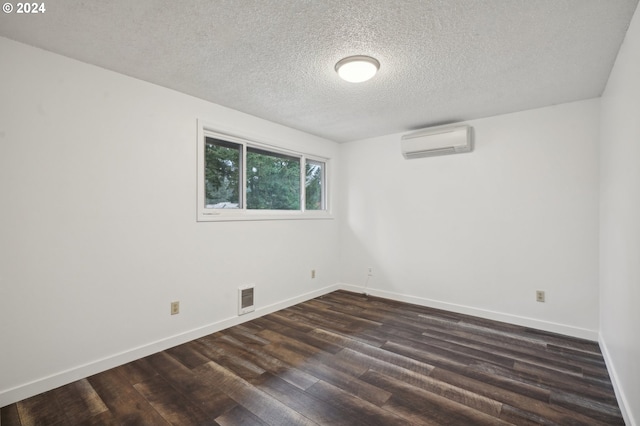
[{"x": 437, "y": 141}]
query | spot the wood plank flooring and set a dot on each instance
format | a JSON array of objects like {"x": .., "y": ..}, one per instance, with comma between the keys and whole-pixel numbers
[{"x": 346, "y": 359}]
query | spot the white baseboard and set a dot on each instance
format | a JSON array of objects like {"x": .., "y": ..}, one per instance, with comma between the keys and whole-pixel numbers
[
  {"x": 567, "y": 330},
  {"x": 26, "y": 390},
  {"x": 623, "y": 402}
]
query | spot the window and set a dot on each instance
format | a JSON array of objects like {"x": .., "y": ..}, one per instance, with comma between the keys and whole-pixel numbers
[
  {"x": 273, "y": 180},
  {"x": 239, "y": 179},
  {"x": 223, "y": 161},
  {"x": 314, "y": 185}
]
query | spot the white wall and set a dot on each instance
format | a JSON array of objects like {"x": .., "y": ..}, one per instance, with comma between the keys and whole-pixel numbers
[
  {"x": 481, "y": 232},
  {"x": 620, "y": 223},
  {"x": 98, "y": 229}
]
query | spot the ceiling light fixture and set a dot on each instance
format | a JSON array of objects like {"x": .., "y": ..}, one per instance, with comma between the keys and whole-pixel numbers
[{"x": 356, "y": 69}]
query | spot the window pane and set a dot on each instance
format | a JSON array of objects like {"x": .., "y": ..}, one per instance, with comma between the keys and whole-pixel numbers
[
  {"x": 273, "y": 180},
  {"x": 222, "y": 163},
  {"x": 314, "y": 185}
]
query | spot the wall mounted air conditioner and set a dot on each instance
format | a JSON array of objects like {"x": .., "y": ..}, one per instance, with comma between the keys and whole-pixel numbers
[{"x": 437, "y": 141}]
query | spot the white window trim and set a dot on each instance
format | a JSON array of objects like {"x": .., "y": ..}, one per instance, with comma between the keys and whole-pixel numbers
[{"x": 245, "y": 139}]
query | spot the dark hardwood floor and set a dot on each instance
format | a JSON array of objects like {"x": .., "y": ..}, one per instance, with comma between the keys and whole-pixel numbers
[{"x": 346, "y": 359}]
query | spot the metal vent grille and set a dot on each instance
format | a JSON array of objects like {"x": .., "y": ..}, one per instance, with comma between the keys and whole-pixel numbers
[{"x": 246, "y": 301}]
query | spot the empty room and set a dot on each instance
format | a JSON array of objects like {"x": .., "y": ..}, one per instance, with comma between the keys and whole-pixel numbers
[{"x": 329, "y": 212}]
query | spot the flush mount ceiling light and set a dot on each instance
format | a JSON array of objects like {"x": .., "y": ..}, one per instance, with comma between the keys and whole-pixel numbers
[{"x": 356, "y": 69}]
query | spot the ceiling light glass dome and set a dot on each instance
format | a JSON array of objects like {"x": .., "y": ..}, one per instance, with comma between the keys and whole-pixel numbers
[{"x": 356, "y": 69}]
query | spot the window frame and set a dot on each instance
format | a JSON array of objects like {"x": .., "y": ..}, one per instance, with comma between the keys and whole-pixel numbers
[{"x": 245, "y": 140}]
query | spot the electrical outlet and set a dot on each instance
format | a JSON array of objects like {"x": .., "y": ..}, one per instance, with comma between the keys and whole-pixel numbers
[
  {"x": 370, "y": 271},
  {"x": 313, "y": 273},
  {"x": 175, "y": 308},
  {"x": 540, "y": 296}
]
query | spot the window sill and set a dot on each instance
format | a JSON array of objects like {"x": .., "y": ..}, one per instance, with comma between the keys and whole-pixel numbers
[{"x": 260, "y": 215}]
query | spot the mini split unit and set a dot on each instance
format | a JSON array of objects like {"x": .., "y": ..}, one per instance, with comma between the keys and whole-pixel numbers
[{"x": 437, "y": 141}]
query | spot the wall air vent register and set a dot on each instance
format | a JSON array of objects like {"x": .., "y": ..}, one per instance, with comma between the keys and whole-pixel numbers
[{"x": 246, "y": 302}]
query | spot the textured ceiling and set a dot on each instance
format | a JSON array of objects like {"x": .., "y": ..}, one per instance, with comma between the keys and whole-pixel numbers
[{"x": 441, "y": 60}]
